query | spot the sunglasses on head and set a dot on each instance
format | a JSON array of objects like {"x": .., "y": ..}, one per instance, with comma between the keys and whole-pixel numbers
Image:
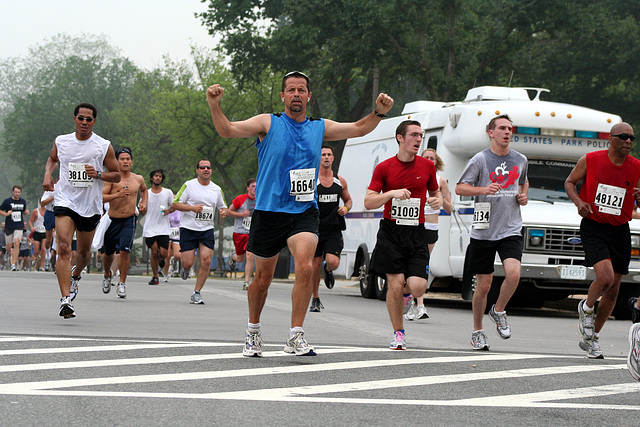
[
  {"x": 625, "y": 136},
  {"x": 83, "y": 118}
]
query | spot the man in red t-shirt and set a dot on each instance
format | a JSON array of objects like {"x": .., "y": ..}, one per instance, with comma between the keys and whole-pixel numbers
[
  {"x": 401, "y": 184},
  {"x": 611, "y": 179},
  {"x": 241, "y": 209}
]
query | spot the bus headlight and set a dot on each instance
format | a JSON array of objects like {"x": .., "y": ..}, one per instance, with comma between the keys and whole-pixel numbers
[{"x": 535, "y": 238}]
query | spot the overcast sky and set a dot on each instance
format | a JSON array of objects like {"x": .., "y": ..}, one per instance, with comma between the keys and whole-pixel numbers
[{"x": 144, "y": 30}]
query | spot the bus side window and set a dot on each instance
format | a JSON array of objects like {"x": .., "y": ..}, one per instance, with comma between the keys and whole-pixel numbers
[{"x": 433, "y": 142}]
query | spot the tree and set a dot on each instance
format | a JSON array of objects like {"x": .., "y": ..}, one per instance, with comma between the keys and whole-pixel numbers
[
  {"x": 168, "y": 123},
  {"x": 48, "y": 84}
]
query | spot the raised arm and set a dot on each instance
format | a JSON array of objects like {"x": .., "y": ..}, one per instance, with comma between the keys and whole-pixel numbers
[
  {"x": 255, "y": 126},
  {"x": 335, "y": 131}
]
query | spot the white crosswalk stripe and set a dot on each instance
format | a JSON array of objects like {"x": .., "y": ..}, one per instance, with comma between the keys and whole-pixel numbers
[{"x": 330, "y": 389}]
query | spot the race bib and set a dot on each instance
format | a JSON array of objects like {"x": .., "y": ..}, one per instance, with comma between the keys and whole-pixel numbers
[
  {"x": 406, "y": 212},
  {"x": 246, "y": 223},
  {"x": 206, "y": 216},
  {"x": 303, "y": 184},
  {"x": 41, "y": 229},
  {"x": 175, "y": 233},
  {"x": 481, "y": 215},
  {"x": 16, "y": 216},
  {"x": 609, "y": 199},
  {"x": 78, "y": 175}
]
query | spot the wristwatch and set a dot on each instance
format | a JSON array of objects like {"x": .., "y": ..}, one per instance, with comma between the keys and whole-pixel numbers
[{"x": 99, "y": 175}]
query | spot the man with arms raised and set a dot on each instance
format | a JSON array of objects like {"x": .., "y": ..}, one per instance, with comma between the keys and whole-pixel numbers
[
  {"x": 82, "y": 157},
  {"x": 286, "y": 214},
  {"x": 122, "y": 198}
]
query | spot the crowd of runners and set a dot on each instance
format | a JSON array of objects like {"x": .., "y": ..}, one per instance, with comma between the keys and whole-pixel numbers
[{"x": 298, "y": 201}]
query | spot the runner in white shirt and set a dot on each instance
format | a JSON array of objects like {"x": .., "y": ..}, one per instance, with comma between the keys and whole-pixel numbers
[
  {"x": 156, "y": 229},
  {"x": 86, "y": 161},
  {"x": 198, "y": 198}
]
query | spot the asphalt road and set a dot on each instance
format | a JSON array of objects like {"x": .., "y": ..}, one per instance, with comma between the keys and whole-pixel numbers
[{"x": 155, "y": 359}]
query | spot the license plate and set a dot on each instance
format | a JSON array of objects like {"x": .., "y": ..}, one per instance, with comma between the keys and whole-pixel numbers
[{"x": 572, "y": 272}]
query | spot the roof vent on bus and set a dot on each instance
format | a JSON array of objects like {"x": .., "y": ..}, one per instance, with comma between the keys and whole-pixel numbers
[{"x": 498, "y": 93}]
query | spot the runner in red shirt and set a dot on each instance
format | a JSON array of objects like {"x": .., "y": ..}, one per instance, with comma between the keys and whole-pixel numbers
[{"x": 610, "y": 185}]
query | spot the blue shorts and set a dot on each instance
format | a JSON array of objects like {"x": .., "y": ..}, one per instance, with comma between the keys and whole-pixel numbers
[
  {"x": 119, "y": 235},
  {"x": 49, "y": 220},
  {"x": 190, "y": 239}
]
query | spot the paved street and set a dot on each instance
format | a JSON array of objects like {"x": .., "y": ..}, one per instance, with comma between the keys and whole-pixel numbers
[{"x": 155, "y": 359}]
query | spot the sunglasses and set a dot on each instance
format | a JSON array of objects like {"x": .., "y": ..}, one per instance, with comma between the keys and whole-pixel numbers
[
  {"x": 83, "y": 118},
  {"x": 204, "y": 167},
  {"x": 625, "y": 136}
]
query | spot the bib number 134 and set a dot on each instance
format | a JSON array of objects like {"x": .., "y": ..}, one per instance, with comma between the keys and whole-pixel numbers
[{"x": 481, "y": 215}]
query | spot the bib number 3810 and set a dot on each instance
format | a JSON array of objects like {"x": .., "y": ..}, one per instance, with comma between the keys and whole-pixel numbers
[
  {"x": 303, "y": 184},
  {"x": 78, "y": 175}
]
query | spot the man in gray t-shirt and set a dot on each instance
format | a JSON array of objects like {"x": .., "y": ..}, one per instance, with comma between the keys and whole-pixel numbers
[{"x": 497, "y": 178}]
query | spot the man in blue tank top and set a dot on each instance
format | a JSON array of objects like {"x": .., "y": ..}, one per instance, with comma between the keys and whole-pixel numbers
[{"x": 286, "y": 213}]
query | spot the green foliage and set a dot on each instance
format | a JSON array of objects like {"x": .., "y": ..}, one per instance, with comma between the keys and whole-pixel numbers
[{"x": 51, "y": 83}]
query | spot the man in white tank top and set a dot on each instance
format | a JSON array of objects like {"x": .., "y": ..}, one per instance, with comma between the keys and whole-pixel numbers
[{"x": 86, "y": 160}]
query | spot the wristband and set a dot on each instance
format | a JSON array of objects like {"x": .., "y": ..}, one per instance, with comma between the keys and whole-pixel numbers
[
  {"x": 382, "y": 116},
  {"x": 347, "y": 208},
  {"x": 99, "y": 175}
]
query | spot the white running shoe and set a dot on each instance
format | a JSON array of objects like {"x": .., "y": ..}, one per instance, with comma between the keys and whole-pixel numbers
[
  {"x": 585, "y": 321},
  {"x": 106, "y": 284},
  {"x": 421, "y": 312},
  {"x": 592, "y": 347},
  {"x": 411, "y": 312},
  {"x": 479, "y": 341},
  {"x": 253, "y": 344},
  {"x": 196, "y": 298},
  {"x": 122, "y": 290},
  {"x": 633, "y": 360},
  {"x": 298, "y": 345},
  {"x": 66, "y": 308},
  {"x": 398, "y": 342},
  {"x": 73, "y": 288},
  {"x": 502, "y": 327}
]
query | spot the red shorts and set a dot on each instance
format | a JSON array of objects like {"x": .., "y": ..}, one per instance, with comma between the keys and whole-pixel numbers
[{"x": 240, "y": 241}]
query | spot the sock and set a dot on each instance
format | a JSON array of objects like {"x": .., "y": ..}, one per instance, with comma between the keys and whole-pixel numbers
[
  {"x": 400, "y": 330},
  {"x": 479, "y": 330},
  {"x": 196, "y": 292},
  {"x": 499, "y": 312},
  {"x": 596, "y": 335},
  {"x": 295, "y": 330},
  {"x": 586, "y": 308},
  {"x": 253, "y": 327}
]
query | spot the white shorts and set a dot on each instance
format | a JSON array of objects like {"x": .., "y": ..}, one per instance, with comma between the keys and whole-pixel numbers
[{"x": 16, "y": 235}]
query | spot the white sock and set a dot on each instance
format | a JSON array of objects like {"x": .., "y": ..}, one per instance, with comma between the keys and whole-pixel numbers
[
  {"x": 253, "y": 327},
  {"x": 294, "y": 330},
  {"x": 585, "y": 307}
]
